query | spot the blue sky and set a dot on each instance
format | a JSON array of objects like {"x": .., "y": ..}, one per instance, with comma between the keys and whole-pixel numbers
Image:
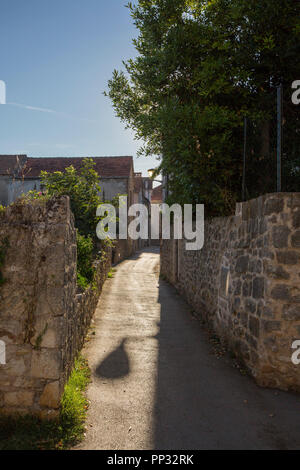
[{"x": 58, "y": 55}]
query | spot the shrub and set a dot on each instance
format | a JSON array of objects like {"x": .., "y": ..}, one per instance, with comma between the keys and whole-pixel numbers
[
  {"x": 31, "y": 433},
  {"x": 82, "y": 187},
  {"x": 85, "y": 269}
]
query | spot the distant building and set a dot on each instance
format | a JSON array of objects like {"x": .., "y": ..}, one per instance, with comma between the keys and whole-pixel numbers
[
  {"x": 157, "y": 195},
  {"x": 142, "y": 195},
  {"x": 20, "y": 174},
  {"x": 143, "y": 187},
  {"x": 157, "y": 198}
]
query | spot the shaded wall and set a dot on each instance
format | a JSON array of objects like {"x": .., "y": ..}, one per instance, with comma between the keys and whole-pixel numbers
[
  {"x": 43, "y": 320},
  {"x": 245, "y": 283}
]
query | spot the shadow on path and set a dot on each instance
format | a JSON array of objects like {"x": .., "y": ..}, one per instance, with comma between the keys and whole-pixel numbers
[
  {"x": 115, "y": 365},
  {"x": 171, "y": 392},
  {"x": 202, "y": 402}
]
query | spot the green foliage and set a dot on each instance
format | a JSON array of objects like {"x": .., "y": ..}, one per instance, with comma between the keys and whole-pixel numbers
[
  {"x": 201, "y": 67},
  {"x": 83, "y": 189},
  {"x": 85, "y": 269},
  {"x": 36, "y": 196},
  {"x": 30, "y": 433},
  {"x": 74, "y": 403}
]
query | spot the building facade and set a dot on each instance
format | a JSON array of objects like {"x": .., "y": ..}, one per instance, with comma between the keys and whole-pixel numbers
[{"x": 20, "y": 174}]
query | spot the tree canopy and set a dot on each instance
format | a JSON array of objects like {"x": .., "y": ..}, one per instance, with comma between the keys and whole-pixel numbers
[{"x": 201, "y": 66}]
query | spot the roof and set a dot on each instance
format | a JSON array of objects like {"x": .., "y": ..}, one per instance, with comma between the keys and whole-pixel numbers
[
  {"x": 10, "y": 164},
  {"x": 106, "y": 167},
  {"x": 157, "y": 194}
]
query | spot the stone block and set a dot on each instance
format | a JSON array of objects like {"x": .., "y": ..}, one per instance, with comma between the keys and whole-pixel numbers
[
  {"x": 238, "y": 288},
  {"x": 276, "y": 272},
  {"x": 242, "y": 264},
  {"x": 269, "y": 326},
  {"x": 288, "y": 257},
  {"x": 254, "y": 326},
  {"x": 280, "y": 235},
  {"x": 263, "y": 226},
  {"x": 258, "y": 287},
  {"x": 291, "y": 312},
  {"x": 266, "y": 253},
  {"x": 244, "y": 319},
  {"x": 247, "y": 288},
  {"x": 46, "y": 364},
  {"x": 296, "y": 219},
  {"x": 250, "y": 305},
  {"x": 271, "y": 343},
  {"x": 15, "y": 366},
  {"x": 273, "y": 205},
  {"x": 51, "y": 395},
  {"x": 295, "y": 239},
  {"x": 49, "y": 332},
  {"x": 19, "y": 399},
  {"x": 280, "y": 292}
]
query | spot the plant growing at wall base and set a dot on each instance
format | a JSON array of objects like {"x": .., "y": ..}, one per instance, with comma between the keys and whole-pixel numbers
[
  {"x": 30, "y": 433},
  {"x": 85, "y": 268}
]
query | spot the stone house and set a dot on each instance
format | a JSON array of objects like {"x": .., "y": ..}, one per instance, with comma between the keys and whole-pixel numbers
[{"x": 20, "y": 174}]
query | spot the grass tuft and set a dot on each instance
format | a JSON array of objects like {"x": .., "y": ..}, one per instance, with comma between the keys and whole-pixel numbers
[
  {"x": 31, "y": 433},
  {"x": 110, "y": 275}
]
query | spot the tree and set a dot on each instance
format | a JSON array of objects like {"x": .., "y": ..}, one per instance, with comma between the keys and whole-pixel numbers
[
  {"x": 84, "y": 191},
  {"x": 201, "y": 67}
]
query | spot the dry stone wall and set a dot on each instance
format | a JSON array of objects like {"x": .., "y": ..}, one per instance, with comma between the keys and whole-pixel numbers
[
  {"x": 245, "y": 283},
  {"x": 43, "y": 320}
]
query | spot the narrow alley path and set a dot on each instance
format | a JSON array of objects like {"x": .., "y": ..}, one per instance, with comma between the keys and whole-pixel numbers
[{"x": 156, "y": 383}]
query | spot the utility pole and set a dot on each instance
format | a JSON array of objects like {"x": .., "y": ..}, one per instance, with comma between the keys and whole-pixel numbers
[{"x": 244, "y": 160}]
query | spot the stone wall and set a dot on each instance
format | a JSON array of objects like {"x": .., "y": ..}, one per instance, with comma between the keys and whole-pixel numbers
[
  {"x": 245, "y": 283},
  {"x": 43, "y": 319},
  {"x": 123, "y": 249}
]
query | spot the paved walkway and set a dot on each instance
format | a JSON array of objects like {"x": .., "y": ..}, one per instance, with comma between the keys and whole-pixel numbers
[{"x": 157, "y": 385}]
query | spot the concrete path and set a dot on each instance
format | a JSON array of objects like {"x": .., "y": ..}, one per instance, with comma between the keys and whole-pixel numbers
[{"x": 157, "y": 385}]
